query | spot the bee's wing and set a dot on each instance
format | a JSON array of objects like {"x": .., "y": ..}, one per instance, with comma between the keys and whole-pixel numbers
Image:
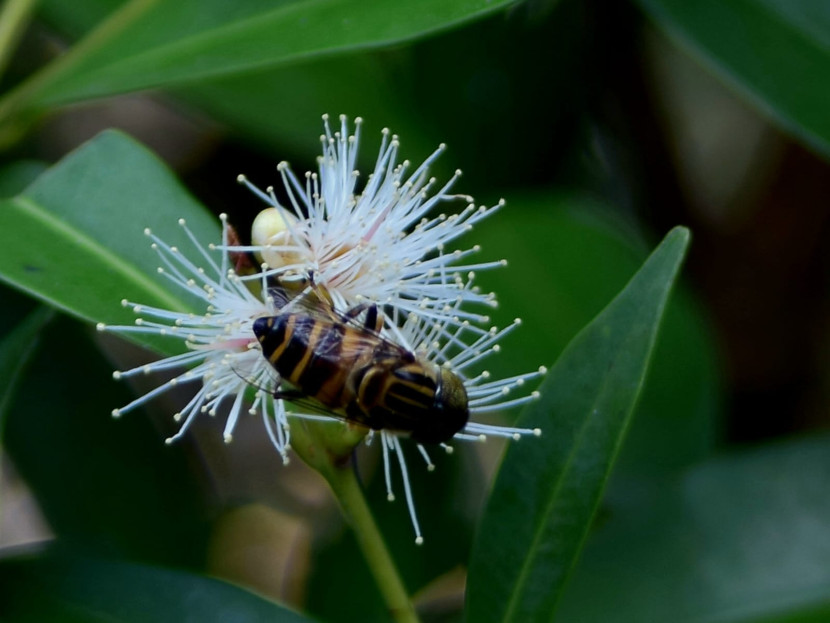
[
  {"x": 314, "y": 301},
  {"x": 306, "y": 404},
  {"x": 363, "y": 320}
]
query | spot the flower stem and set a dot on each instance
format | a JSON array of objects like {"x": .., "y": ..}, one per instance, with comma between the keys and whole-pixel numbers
[
  {"x": 326, "y": 448},
  {"x": 14, "y": 16},
  {"x": 347, "y": 490}
]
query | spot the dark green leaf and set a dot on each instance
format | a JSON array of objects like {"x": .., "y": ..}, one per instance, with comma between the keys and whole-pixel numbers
[
  {"x": 74, "y": 239},
  {"x": 817, "y": 614},
  {"x": 162, "y": 43},
  {"x": 19, "y": 174},
  {"x": 548, "y": 489},
  {"x": 78, "y": 18},
  {"x": 283, "y": 106},
  {"x": 25, "y": 320},
  {"x": 741, "y": 538},
  {"x": 776, "y": 52},
  {"x": 75, "y": 590},
  {"x": 16, "y": 349},
  {"x": 484, "y": 104},
  {"x": 109, "y": 486},
  {"x": 568, "y": 257}
]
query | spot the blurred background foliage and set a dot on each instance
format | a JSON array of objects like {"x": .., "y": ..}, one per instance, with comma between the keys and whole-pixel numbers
[{"x": 603, "y": 125}]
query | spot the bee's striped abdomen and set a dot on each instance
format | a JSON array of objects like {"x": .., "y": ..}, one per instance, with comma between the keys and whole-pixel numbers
[
  {"x": 400, "y": 394},
  {"x": 307, "y": 352},
  {"x": 411, "y": 390},
  {"x": 291, "y": 357}
]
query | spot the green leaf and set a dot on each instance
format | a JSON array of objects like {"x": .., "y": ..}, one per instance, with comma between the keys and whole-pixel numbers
[
  {"x": 16, "y": 350},
  {"x": 281, "y": 107},
  {"x": 548, "y": 489},
  {"x": 16, "y": 176},
  {"x": 817, "y": 614},
  {"x": 741, "y": 538},
  {"x": 109, "y": 486},
  {"x": 568, "y": 256},
  {"x": 77, "y": 590},
  {"x": 776, "y": 52},
  {"x": 153, "y": 44},
  {"x": 74, "y": 240},
  {"x": 426, "y": 101}
]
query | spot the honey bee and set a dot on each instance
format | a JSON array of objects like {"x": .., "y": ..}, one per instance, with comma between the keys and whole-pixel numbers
[{"x": 359, "y": 375}]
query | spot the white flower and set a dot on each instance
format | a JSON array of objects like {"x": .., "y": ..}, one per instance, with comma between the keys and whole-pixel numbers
[
  {"x": 222, "y": 354},
  {"x": 381, "y": 244},
  {"x": 378, "y": 247}
]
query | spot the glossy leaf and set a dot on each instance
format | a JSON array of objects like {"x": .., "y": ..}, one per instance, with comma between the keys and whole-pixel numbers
[
  {"x": 568, "y": 256},
  {"x": 154, "y": 44},
  {"x": 74, "y": 238},
  {"x": 548, "y": 489},
  {"x": 282, "y": 107},
  {"x": 15, "y": 176},
  {"x": 126, "y": 493},
  {"x": 776, "y": 51},
  {"x": 24, "y": 319},
  {"x": 74, "y": 590},
  {"x": 483, "y": 105},
  {"x": 741, "y": 538}
]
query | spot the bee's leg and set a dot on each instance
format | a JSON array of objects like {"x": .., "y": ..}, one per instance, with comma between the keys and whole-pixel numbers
[
  {"x": 289, "y": 394},
  {"x": 280, "y": 298},
  {"x": 355, "y": 311},
  {"x": 372, "y": 322}
]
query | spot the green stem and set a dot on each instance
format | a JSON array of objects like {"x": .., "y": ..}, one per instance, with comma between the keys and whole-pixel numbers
[
  {"x": 14, "y": 16},
  {"x": 327, "y": 447},
  {"x": 24, "y": 95},
  {"x": 348, "y": 493}
]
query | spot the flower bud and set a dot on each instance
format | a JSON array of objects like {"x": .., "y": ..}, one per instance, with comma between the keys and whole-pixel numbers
[{"x": 275, "y": 231}]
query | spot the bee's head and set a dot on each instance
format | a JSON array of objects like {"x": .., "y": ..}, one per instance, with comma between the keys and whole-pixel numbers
[{"x": 450, "y": 409}]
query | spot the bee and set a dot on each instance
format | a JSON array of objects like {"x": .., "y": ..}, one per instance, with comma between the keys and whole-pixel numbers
[{"x": 360, "y": 376}]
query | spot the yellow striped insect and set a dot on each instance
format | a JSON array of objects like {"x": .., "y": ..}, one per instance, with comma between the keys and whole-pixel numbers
[{"x": 358, "y": 375}]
